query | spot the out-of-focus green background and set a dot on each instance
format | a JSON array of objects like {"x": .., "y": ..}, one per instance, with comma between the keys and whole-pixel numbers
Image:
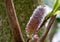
[{"x": 24, "y": 9}]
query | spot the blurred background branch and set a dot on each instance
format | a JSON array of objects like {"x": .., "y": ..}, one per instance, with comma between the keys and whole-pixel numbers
[{"x": 13, "y": 21}]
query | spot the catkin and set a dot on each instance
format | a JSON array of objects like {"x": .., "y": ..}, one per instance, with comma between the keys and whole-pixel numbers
[{"x": 35, "y": 20}]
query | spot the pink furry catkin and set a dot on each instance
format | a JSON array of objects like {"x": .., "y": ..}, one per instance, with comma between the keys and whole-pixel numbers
[{"x": 35, "y": 20}]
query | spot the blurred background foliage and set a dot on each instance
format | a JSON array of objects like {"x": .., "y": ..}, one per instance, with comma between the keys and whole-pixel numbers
[{"x": 24, "y": 9}]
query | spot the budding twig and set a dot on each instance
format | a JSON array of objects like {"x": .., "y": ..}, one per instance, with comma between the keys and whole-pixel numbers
[
  {"x": 43, "y": 23},
  {"x": 48, "y": 28}
]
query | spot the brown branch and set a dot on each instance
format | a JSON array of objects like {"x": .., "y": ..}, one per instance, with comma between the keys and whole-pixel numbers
[
  {"x": 28, "y": 39},
  {"x": 12, "y": 18},
  {"x": 45, "y": 20},
  {"x": 48, "y": 28},
  {"x": 43, "y": 23}
]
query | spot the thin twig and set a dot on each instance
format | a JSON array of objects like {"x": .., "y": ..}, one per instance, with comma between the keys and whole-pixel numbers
[
  {"x": 13, "y": 21},
  {"x": 48, "y": 28},
  {"x": 28, "y": 39},
  {"x": 43, "y": 23}
]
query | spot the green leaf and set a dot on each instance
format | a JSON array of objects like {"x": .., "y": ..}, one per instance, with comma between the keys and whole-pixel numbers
[
  {"x": 56, "y": 9},
  {"x": 57, "y": 12},
  {"x": 56, "y": 5}
]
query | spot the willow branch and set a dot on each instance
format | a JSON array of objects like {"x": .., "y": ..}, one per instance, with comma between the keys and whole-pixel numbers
[
  {"x": 13, "y": 21},
  {"x": 48, "y": 28},
  {"x": 43, "y": 23}
]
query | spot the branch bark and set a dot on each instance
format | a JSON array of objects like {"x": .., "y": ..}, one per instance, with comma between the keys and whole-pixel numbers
[
  {"x": 48, "y": 28},
  {"x": 43, "y": 23},
  {"x": 13, "y": 21}
]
